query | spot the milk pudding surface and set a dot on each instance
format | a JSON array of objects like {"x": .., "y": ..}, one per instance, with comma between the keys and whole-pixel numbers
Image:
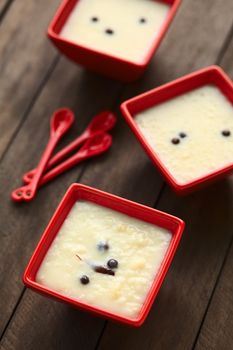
[
  {"x": 122, "y": 28},
  {"x": 191, "y": 134},
  {"x": 131, "y": 249}
]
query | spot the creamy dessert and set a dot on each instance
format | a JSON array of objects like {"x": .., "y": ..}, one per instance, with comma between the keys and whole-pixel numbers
[
  {"x": 191, "y": 134},
  {"x": 104, "y": 258},
  {"x": 122, "y": 28}
]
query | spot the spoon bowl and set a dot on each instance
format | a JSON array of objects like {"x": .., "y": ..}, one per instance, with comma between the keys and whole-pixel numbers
[
  {"x": 97, "y": 144},
  {"x": 100, "y": 123},
  {"x": 103, "y": 121},
  {"x": 61, "y": 120}
]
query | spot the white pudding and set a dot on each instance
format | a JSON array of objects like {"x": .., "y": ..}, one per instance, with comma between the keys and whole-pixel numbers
[
  {"x": 122, "y": 28},
  {"x": 97, "y": 234},
  {"x": 191, "y": 134}
]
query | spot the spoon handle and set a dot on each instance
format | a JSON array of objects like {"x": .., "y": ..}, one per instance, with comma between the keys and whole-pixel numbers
[
  {"x": 27, "y": 193},
  {"x": 64, "y": 166},
  {"x": 64, "y": 152},
  {"x": 44, "y": 160},
  {"x": 82, "y": 154}
]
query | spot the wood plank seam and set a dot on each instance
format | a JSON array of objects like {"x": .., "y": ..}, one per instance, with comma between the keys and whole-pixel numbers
[
  {"x": 213, "y": 292},
  {"x": 101, "y": 335},
  {"x": 5, "y": 10},
  {"x": 31, "y": 104},
  {"x": 163, "y": 186},
  {"x": 225, "y": 45},
  {"x": 12, "y": 314}
]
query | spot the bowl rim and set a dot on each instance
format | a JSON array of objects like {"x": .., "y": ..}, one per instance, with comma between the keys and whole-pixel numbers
[
  {"x": 180, "y": 84},
  {"x": 134, "y": 209},
  {"x": 55, "y": 35}
]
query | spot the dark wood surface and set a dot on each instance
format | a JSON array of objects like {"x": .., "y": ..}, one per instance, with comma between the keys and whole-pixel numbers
[{"x": 195, "y": 305}]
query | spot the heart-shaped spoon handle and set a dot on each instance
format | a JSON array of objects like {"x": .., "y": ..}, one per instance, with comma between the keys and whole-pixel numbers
[{"x": 61, "y": 121}]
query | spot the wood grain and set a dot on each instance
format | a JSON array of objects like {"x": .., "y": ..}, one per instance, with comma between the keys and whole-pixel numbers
[
  {"x": 177, "y": 312},
  {"x": 52, "y": 326},
  {"x": 26, "y": 57},
  {"x": 21, "y": 229},
  {"x": 122, "y": 174},
  {"x": 4, "y": 7},
  {"x": 216, "y": 331},
  {"x": 183, "y": 334},
  {"x": 125, "y": 170}
]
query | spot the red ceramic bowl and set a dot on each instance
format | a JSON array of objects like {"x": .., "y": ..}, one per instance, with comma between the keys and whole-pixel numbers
[
  {"x": 80, "y": 192},
  {"x": 210, "y": 75},
  {"x": 97, "y": 61}
]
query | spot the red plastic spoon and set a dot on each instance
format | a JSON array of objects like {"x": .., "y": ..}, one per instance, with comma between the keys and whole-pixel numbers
[
  {"x": 103, "y": 121},
  {"x": 93, "y": 146},
  {"x": 60, "y": 122}
]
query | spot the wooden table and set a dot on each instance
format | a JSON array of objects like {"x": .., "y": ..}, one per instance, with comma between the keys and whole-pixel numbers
[{"x": 195, "y": 305}]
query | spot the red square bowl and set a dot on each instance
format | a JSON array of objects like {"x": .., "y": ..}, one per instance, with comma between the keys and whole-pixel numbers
[
  {"x": 100, "y": 62},
  {"x": 78, "y": 192},
  {"x": 213, "y": 76}
]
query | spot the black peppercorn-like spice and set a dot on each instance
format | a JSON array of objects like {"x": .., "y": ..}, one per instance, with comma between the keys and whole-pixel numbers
[
  {"x": 84, "y": 279},
  {"x": 175, "y": 141},
  {"x": 112, "y": 263},
  {"x": 226, "y": 133},
  {"x": 142, "y": 20},
  {"x": 109, "y": 31}
]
